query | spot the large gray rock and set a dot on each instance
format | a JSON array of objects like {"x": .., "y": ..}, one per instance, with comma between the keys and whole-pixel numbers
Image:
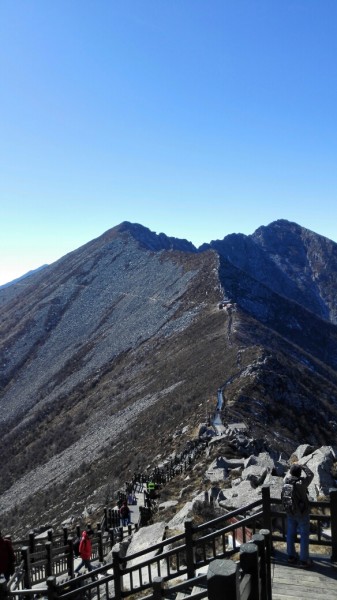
[
  {"x": 320, "y": 462},
  {"x": 220, "y": 467},
  {"x": 215, "y": 475},
  {"x": 263, "y": 459},
  {"x": 144, "y": 539},
  {"x": 177, "y": 522},
  {"x": 275, "y": 484},
  {"x": 255, "y": 474},
  {"x": 167, "y": 504},
  {"x": 234, "y": 463},
  {"x": 242, "y": 494},
  {"x": 301, "y": 451}
]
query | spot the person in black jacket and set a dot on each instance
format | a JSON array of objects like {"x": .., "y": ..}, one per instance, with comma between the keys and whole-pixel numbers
[{"x": 300, "y": 476}]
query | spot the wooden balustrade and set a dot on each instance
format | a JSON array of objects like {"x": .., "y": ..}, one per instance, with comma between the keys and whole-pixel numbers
[{"x": 212, "y": 543}]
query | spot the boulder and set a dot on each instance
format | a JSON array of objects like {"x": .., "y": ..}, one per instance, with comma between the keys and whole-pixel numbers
[
  {"x": 215, "y": 475},
  {"x": 144, "y": 539},
  {"x": 242, "y": 494},
  {"x": 177, "y": 522},
  {"x": 255, "y": 474},
  {"x": 275, "y": 484},
  {"x": 320, "y": 462},
  {"x": 263, "y": 459},
  {"x": 301, "y": 451},
  {"x": 234, "y": 463},
  {"x": 168, "y": 504}
]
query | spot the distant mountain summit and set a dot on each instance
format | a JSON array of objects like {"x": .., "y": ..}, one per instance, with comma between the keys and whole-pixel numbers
[
  {"x": 289, "y": 260},
  {"x": 107, "y": 351},
  {"x": 154, "y": 241}
]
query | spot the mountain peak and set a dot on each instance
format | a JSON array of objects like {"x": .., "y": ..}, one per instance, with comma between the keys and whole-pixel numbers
[{"x": 152, "y": 240}]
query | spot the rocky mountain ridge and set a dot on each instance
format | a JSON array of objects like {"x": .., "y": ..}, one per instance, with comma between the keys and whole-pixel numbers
[{"x": 123, "y": 340}]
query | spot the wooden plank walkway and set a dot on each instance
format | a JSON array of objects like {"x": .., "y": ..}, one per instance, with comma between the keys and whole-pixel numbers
[{"x": 293, "y": 583}]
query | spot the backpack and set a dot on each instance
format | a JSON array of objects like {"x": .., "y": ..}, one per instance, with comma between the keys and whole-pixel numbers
[
  {"x": 124, "y": 511},
  {"x": 289, "y": 498}
]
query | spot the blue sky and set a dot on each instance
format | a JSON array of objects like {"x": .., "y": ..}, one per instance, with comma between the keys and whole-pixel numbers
[{"x": 196, "y": 118}]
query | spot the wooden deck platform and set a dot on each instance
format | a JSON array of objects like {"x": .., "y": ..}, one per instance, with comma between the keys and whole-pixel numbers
[{"x": 293, "y": 583}]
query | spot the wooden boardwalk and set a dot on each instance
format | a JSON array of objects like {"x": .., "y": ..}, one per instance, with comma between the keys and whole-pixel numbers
[{"x": 293, "y": 583}]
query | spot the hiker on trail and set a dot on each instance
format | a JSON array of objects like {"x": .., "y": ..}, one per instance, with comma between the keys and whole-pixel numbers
[
  {"x": 150, "y": 486},
  {"x": 7, "y": 557},
  {"x": 124, "y": 512},
  {"x": 85, "y": 551},
  {"x": 296, "y": 503}
]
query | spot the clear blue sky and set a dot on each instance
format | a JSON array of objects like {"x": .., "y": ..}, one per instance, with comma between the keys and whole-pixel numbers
[{"x": 196, "y": 118}]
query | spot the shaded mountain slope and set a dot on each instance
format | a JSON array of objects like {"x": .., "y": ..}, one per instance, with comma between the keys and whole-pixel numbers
[{"x": 291, "y": 260}]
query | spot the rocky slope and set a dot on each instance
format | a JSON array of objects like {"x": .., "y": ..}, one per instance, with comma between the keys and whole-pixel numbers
[{"x": 110, "y": 349}]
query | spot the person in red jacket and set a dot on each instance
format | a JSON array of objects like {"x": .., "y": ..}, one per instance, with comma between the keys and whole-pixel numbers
[
  {"x": 7, "y": 557},
  {"x": 85, "y": 550}
]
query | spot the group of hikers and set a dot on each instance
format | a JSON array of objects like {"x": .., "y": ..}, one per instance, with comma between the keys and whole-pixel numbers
[
  {"x": 294, "y": 498},
  {"x": 83, "y": 546},
  {"x": 295, "y": 501}
]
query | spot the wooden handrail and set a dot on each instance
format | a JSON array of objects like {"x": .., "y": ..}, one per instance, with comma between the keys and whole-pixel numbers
[{"x": 194, "y": 539}]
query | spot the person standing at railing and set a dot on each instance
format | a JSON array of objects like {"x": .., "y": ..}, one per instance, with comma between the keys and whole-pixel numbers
[
  {"x": 7, "y": 557},
  {"x": 296, "y": 504}
]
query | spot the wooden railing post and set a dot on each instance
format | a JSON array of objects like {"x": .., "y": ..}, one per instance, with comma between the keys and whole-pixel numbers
[
  {"x": 189, "y": 541},
  {"x": 65, "y": 535},
  {"x": 157, "y": 586},
  {"x": 118, "y": 576},
  {"x": 49, "y": 566},
  {"x": 31, "y": 542},
  {"x": 333, "y": 512},
  {"x": 52, "y": 590},
  {"x": 267, "y": 544},
  {"x": 100, "y": 545},
  {"x": 223, "y": 582},
  {"x": 112, "y": 537},
  {"x": 266, "y": 508},
  {"x": 249, "y": 561},
  {"x": 50, "y": 535},
  {"x": 26, "y": 567},
  {"x": 70, "y": 557},
  {"x": 106, "y": 521},
  {"x": 259, "y": 540}
]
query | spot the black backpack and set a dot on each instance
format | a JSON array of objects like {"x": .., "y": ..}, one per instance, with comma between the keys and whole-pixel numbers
[{"x": 289, "y": 497}]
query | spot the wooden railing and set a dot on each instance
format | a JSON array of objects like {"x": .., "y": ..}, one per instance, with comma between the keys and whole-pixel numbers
[{"x": 179, "y": 556}]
